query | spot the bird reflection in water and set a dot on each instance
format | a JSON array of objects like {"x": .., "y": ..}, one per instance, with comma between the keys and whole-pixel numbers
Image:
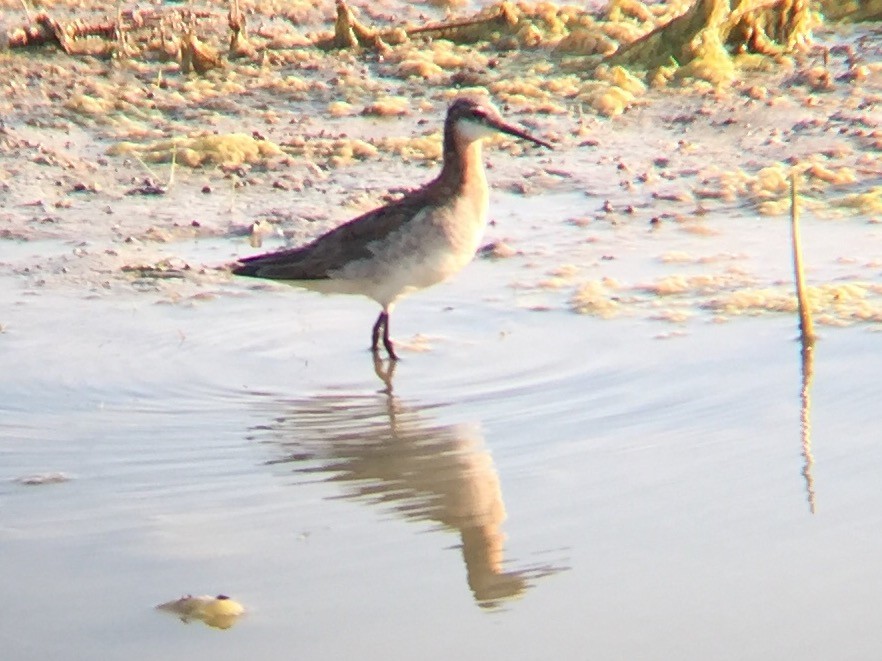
[{"x": 385, "y": 452}]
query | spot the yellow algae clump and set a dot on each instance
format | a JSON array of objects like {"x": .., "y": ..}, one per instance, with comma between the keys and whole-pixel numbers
[
  {"x": 754, "y": 301},
  {"x": 673, "y": 316},
  {"x": 294, "y": 84},
  {"x": 702, "y": 39},
  {"x": 418, "y": 67},
  {"x": 772, "y": 181},
  {"x": 610, "y": 101},
  {"x": 774, "y": 207},
  {"x": 524, "y": 87},
  {"x": 681, "y": 257},
  {"x": 219, "y": 612},
  {"x": 350, "y": 150},
  {"x": 615, "y": 92},
  {"x": 671, "y": 284},
  {"x": 335, "y": 151},
  {"x": 852, "y": 10},
  {"x": 595, "y": 298},
  {"x": 444, "y": 55},
  {"x": 447, "y": 3},
  {"x": 711, "y": 62},
  {"x": 731, "y": 185},
  {"x": 832, "y": 176},
  {"x": 832, "y": 304},
  {"x": 388, "y": 106},
  {"x": 676, "y": 39},
  {"x": 529, "y": 35},
  {"x": 433, "y": 61},
  {"x": 621, "y": 78},
  {"x": 525, "y": 104},
  {"x": 695, "y": 284},
  {"x": 867, "y": 203},
  {"x": 550, "y": 19},
  {"x": 734, "y": 181},
  {"x": 340, "y": 109},
  {"x": 619, "y": 10},
  {"x": 623, "y": 33},
  {"x": 497, "y": 22},
  {"x": 565, "y": 271},
  {"x": 89, "y": 105},
  {"x": 677, "y": 257},
  {"x": 198, "y": 56},
  {"x": 422, "y": 148},
  {"x": 229, "y": 149},
  {"x": 845, "y": 297},
  {"x": 126, "y": 128},
  {"x": 553, "y": 282},
  {"x": 586, "y": 41},
  {"x": 563, "y": 86},
  {"x": 769, "y": 28},
  {"x": 560, "y": 277}
]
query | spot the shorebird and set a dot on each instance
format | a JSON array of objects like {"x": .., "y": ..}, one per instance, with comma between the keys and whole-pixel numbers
[{"x": 418, "y": 241}]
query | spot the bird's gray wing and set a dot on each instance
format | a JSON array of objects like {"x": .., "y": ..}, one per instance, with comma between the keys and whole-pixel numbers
[{"x": 333, "y": 250}]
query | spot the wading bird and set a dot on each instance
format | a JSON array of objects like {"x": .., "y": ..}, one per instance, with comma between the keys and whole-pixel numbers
[{"x": 418, "y": 241}]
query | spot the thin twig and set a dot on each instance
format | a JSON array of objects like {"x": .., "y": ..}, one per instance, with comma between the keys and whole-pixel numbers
[
  {"x": 27, "y": 10},
  {"x": 120, "y": 32},
  {"x": 807, "y": 339},
  {"x": 145, "y": 166},
  {"x": 806, "y": 326},
  {"x": 171, "y": 172}
]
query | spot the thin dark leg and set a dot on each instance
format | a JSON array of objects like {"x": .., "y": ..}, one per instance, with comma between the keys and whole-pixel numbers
[
  {"x": 382, "y": 325},
  {"x": 382, "y": 321},
  {"x": 387, "y": 342}
]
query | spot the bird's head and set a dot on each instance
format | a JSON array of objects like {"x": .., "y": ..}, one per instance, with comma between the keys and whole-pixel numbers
[{"x": 471, "y": 119}]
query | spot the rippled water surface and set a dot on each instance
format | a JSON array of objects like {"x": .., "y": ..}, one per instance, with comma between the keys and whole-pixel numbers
[{"x": 534, "y": 485}]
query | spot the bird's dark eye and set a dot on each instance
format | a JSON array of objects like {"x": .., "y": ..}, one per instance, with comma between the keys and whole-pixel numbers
[{"x": 479, "y": 114}]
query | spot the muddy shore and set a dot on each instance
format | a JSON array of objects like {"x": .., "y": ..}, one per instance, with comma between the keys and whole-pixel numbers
[{"x": 261, "y": 146}]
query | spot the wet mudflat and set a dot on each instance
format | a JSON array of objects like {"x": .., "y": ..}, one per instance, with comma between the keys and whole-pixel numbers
[{"x": 602, "y": 439}]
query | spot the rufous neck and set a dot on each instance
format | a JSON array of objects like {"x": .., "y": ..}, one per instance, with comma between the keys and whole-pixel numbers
[{"x": 463, "y": 162}]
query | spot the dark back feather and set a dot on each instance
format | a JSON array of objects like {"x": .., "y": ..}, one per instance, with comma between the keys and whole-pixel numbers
[{"x": 334, "y": 249}]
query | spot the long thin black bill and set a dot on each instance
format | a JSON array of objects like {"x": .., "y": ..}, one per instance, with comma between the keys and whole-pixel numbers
[{"x": 517, "y": 132}]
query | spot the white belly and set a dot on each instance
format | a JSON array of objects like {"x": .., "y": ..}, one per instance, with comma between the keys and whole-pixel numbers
[{"x": 433, "y": 246}]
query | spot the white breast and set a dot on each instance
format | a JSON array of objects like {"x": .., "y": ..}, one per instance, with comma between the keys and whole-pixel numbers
[{"x": 437, "y": 243}]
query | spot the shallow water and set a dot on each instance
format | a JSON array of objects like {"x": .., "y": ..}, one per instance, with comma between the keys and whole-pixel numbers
[{"x": 535, "y": 483}]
